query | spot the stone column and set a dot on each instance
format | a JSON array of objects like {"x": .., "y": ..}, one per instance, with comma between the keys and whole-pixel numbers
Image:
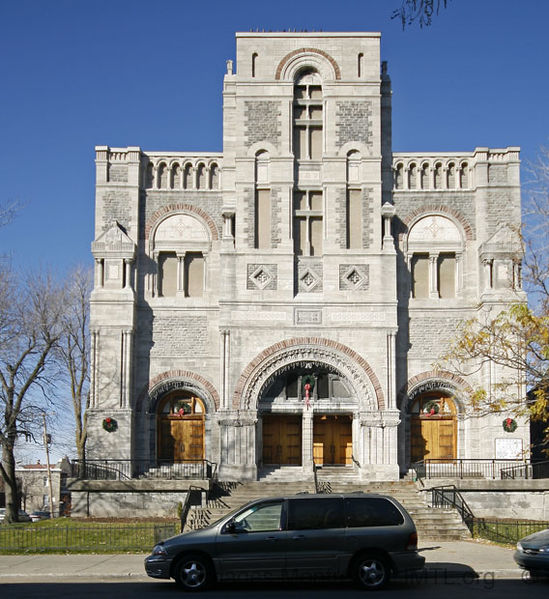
[
  {"x": 433, "y": 283},
  {"x": 307, "y": 441},
  {"x": 238, "y": 446}
]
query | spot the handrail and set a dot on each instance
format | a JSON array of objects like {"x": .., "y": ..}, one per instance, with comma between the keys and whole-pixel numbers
[
  {"x": 449, "y": 496},
  {"x": 464, "y": 467},
  {"x": 125, "y": 469},
  {"x": 529, "y": 470}
]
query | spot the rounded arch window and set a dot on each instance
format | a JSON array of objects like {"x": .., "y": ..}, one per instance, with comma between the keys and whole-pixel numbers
[
  {"x": 399, "y": 176},
  {"x": 178, "y": 404}
]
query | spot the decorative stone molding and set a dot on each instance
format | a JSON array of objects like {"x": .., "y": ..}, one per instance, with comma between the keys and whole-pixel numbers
[
  {"x": 354, "y": 277},
  {"x": 178, "y": 379},
  {"x": 433, "y": 380},
  {"x": 172, "y": 209},
  {"x": 441, "y": 209},
  {"x": 262, "y": 276},
  {"x": 283, "y": 71},
  {"x": 304, "y": 351}
]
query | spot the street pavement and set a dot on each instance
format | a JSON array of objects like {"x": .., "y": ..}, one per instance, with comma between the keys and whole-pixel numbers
[{"x": 446, "y": 559}]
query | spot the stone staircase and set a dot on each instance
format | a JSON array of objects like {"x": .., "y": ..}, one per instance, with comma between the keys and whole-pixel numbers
[{"x": 432, "y": 523}]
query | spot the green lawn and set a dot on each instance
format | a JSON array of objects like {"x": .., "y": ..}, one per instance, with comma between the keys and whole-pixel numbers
[
  {"x": 506, "y": 531},
  {"x": 66, "y": 535}
]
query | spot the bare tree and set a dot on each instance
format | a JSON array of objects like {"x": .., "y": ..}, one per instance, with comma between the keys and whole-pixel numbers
[
  {"x": 74, "y": 349},
  {"x": 30, "y": 328},
  {"x": 8, "y": 211},
  {"x": 418, "y": 11}
]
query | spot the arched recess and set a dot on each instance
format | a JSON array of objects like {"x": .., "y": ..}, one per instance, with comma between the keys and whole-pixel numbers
[
  {"x": 289, "y": 67},
  {"x": 178, "y": 405},
  {"x": 432, "y": 405},
  {"x": 307, "y": 352},
  {"x": 173, "y": 209}
]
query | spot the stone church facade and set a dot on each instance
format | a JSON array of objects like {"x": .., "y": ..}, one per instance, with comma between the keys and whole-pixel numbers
[{"x": 284, "y": 302}]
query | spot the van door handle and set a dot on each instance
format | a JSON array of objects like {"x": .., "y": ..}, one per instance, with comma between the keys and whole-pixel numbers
[
  {"x": 298, "y": 537},
  {"x": 271, "y": 539}
]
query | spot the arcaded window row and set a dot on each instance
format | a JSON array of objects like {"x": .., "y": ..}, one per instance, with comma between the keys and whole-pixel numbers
[
  {"x": 182, "y": 176},
  {"x": 424, "y": 175}
]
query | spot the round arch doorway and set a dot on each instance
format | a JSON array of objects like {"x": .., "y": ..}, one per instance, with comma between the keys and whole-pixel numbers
[
  {"x": 433, "y": 427},
  {"x": 181, "y": 418}
]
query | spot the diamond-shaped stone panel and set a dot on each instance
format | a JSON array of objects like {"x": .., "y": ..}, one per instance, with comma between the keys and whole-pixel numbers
[
  {"x": 262, "y": 276},
  {"x": 354, "y": 277}
]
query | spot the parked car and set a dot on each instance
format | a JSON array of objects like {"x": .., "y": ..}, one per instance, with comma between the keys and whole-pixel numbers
[
  {"x": 23, "y": 516},
  {"x": 532, "y": 553},
  {"x": 39, "y": 515},
  {"x": 367, "y": 537}
]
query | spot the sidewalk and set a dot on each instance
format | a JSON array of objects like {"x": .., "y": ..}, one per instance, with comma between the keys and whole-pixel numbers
[{"x": 448, "y": 559}]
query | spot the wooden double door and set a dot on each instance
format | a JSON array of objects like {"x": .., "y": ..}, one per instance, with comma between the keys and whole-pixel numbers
[
  {"x": 433, "y": 437},
  {"x": 281, "y": 439},
  {"x": 181, "y": 439},
  {"x": 333, "y": 440}
]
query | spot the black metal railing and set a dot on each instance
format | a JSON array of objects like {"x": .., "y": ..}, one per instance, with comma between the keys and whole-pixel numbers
[
  {"x": 101, "y": 537},
  {"x": 506, "y": 531},
  {"x": 449, "y": 497},
  {"x": 464, "y": 468},
  {"x": 113, "y": 469},
  {"x": 531, "y": 470}
]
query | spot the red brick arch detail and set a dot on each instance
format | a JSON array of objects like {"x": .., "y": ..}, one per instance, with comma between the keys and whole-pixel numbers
[
  {"x": 429, "y": 209},
  {"x": 289, "y": 56},
  {"x": 307, "y": 341},
  {"x": 431, "y": 375},
  {"x": 176, "y": 209},
  {"x": 185, "y": 375}
]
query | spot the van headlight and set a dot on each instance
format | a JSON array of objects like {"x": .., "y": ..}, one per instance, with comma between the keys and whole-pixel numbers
[
  {"x": 159, "y": 550},
  {"x": 519, "y": 547}
]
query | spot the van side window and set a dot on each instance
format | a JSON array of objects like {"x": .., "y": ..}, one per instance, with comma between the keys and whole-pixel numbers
[
  {"x": 371, "y": 511},
  {"x": 259, "y": 518},
  {"x": 307, "y": 514}
]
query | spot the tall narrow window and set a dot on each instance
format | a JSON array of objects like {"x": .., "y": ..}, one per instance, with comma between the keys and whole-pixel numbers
[
  {"x": 201, "y": 177},
  {"x": 354, "y": 219},
  {"x": 263, "y": 218},
  {"x": 175, "y": 176},
  {"x": 149, "y": 176},
  {"x": 308, "y": 228},
  {"x": 424, "y": 177},
  {"x": 194, "y": 274},
  {"x": 412, "y": 177},
  {"x": 188, "y": 177},
  {"x": 163, "y": 176},
  {"x": 446, "y": 275},
  {"x": 214, "y": 176},
  {"x": 308, "y": 117},
  {"x": 451, "y": 176},
  {"x": 420, "y": 275},
  {"x": 254, "y": 63},
  {"x": 359, "y": 64},
  {"x": 399, "y": 176},
  {"x": 464, "y": 176},
  {"x": 167, "y": 274},
  {"x": 438, "y": 176}
]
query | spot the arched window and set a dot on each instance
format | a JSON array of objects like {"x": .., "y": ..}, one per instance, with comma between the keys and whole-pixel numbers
[
  {"x": 438, "y": 175},
  {"x": 412, "y": 176},
  {"x": 451, "y": 176},
  {"x": 149, "y": 176},
  {"x": 162, "y": 176},
  {"x": 214, "y": 176},
  {"x": 188, "y": 177},
  {"x": 308, "y": 120},
  {"x": 254, "y": 63},
  {"x": 464, "y": 176},
  {"x": 424, "y": 177},
  {"x": 435, "y": 249},
  {"x": 201, "y": 177},
  {"x": 399, "y": 176},
  {"x": 360, "y": 61},
  {"x": 175, "y": 176},
  {"x": 180, "y": 244},
  {"x": 262, "y": 201},
  {"x": 354, "y": 202}
]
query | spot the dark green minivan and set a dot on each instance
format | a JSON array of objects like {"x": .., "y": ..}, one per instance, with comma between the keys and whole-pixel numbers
[{"x": 366, "y": 537}]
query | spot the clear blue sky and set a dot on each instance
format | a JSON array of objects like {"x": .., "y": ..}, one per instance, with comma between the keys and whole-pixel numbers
[{"x": 78, "y": 73}]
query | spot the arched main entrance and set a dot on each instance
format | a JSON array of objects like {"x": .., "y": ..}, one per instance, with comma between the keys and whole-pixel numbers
[
  {"x": 307, "y": 410},
  {"x": 433, "y": 433},
  {"x": 180, "y": 418}
]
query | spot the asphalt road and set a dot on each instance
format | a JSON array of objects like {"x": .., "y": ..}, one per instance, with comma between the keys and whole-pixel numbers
[{"x": 449, "y": 588}]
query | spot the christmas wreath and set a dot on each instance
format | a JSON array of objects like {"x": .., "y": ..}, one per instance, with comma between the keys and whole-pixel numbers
[
  {"x": 431, "y": 408},
  {"x": 110, "y": 424},
  {"x": 509, "y": 425}
]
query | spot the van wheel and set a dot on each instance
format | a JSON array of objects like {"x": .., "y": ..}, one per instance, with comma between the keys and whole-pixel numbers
[
  {"x": 194, "y": 573},
  {"x": 370, "y": 572}
]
